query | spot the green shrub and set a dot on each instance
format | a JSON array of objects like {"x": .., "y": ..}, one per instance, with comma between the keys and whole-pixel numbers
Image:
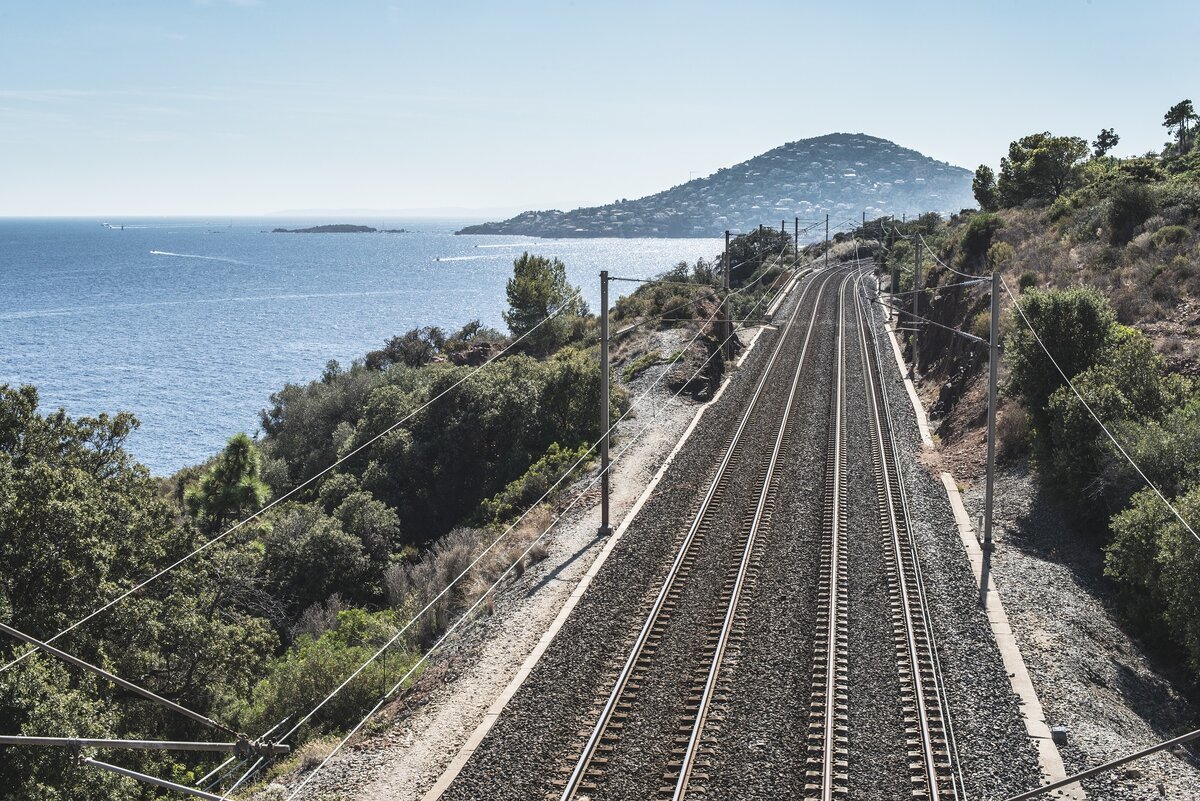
[
  {"x": 1169, "y": 235},
  {"x": 1028, "y": 280},
  {"x": 977, "y": 238},
  {"x": 999, "y": 255},
  {"x": 312, "y": 668},
  {"x": 1128, "y": 384},
  {"x": 1155, "y": 563},
  {"x": 1165, "y": 449},
  {"x": 526, "y": 490},
  {"x": 1130, "y": 205},
  {"x": 1076, "y": 326},
  {"x": 641, "y": 364},
  {"x": 981, "y": 324},
  {"x": 1182, "y": 193}
]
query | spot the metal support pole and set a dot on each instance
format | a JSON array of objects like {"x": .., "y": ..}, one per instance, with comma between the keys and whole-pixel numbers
[
  {"x": 796, "y": 241},
  {"x": 117, "y": 680},
  {"x": 895, "y": 286},
  {"x": 891, "y": 241},
  {"x": 993, "y": 368},
  {"x": 1180, "y": 740},
  {"x": 157, "y": 782},
  {"x": 726, "y": 323},
  {"x": 826, "y": 240},
  {"x": 605, "y": 422},
  {"x": 916, "y": 306}
]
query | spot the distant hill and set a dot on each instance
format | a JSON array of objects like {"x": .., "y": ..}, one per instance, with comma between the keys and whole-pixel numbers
[{"x": 839, "y": 174}]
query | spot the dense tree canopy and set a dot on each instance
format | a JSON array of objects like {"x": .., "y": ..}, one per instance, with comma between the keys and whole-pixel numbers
[
  {"x": 983, "y": 185},
  {"x": 1180, "y": 117},
  {"x": 748, "y": 252},
  {"x": 262, "y": 620},
  {"x": 538, "y": 289},
  {"x": 1105, "y": 141},
  {"x": 1039, "y": 167}
]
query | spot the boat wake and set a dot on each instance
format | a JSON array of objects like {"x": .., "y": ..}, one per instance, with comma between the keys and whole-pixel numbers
[{"x": 197, "y": 256}]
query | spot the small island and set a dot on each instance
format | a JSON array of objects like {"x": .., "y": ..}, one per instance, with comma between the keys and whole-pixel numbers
[{"x": 329, "y": 229}]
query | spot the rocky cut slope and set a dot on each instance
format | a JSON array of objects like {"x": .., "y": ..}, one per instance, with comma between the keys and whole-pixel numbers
[{"x": 838, "y": 174}]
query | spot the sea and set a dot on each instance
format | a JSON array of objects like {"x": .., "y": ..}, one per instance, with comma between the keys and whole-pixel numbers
[{"x": 191, "y": 324}]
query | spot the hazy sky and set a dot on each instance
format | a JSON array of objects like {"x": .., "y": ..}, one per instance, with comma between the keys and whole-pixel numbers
[{"x": 181, "y": 107}]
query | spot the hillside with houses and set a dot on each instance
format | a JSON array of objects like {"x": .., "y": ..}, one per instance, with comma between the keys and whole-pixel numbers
[{"x": 839, "y": 174}]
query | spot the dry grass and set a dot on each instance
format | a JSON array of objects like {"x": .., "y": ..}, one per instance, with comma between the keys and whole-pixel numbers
[
  {"x": 412, "y": 586},
  {"x": 1012, "y": 431},
  {"x": 314, "y": 752}
]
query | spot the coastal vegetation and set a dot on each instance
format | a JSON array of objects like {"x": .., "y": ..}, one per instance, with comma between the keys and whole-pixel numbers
[
  {"x": 1103, "y": 256},
  {"x": 433, "y": 461}
]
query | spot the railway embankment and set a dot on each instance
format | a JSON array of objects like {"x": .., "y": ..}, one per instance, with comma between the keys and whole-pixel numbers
[{"x": 1092, "y": 631}]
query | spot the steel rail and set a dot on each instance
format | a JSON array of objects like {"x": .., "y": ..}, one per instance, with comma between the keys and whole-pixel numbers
[
  {"x": 761, "y": 514},
  {"x": 827, "y": 718},
  {"x": 896, "y": 516},
  {"x": 940, "y": 686},
  {"x": 584, "y": 762}
]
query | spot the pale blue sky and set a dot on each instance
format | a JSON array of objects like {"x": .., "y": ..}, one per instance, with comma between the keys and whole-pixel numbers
[{"x": 226, "y": 108}]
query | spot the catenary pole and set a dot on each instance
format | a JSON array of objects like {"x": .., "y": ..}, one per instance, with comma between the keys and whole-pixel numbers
[
  {"x": 240, "y": 748},
  {"x": 1107, "y": 766},
  {"x": 726, "y": 324},
  {"x": 827, "y": 240},
  {"x": 796, "y": 241},
  {"x": 916, "y": 307},
  {"x": 891, "y": 240},
  {"x": 605, "y": 424},
  {"x": 993, "y": 368}
]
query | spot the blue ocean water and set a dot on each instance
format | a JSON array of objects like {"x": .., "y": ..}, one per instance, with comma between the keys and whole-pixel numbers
[{"x": 192, "y": 324}]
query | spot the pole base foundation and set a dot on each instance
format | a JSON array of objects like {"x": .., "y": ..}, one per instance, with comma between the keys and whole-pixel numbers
[{"x": 604, "y": 531}]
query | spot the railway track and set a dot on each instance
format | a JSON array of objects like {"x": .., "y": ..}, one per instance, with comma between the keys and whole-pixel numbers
[
  {"x": 928, "y": 731},
  {"x": 928, "y": 742},
  {"x": 828, "y": 726},
  {"x": 724, "y": 546},
  {"x": 695, "y": 726}
]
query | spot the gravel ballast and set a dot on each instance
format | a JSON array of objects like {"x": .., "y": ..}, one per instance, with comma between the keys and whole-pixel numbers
[{"x": 538, "y": 735}]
